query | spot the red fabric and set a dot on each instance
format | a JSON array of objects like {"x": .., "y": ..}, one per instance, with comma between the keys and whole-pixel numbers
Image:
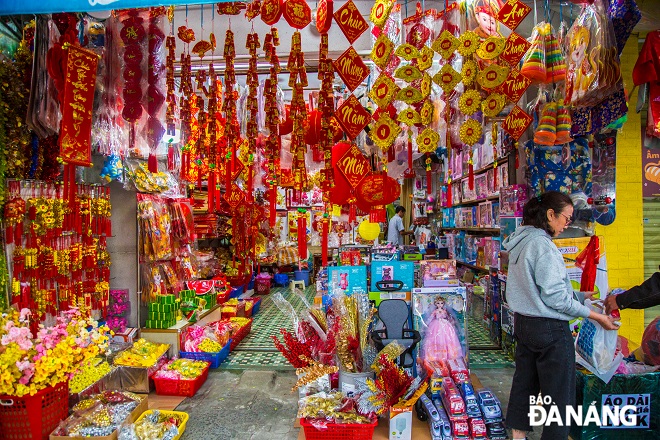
[
  {"x": 588, "y": 262},
  {"x": 647, "y": 67}
]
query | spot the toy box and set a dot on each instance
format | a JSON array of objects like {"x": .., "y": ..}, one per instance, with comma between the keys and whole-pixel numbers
[
  {"x": 403, "y": 271},
  {"x": 513, "y": 199},
  {"x": 350, "y": 279},
  {"x": 433, "y": 271},
  {"x": 481, "y": 186},
  {"x": 508, "y": 225},
  {"x": 400, "y": 423},
  {"x": 439, "y": 314}
]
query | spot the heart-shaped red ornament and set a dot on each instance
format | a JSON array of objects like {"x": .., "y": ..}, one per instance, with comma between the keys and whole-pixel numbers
[
  {"x": 155, "y": 100},
  {"x": 132, "y": 73},
  {"x": 133, "y": 54},
  {"x": 132, "y": 32}
]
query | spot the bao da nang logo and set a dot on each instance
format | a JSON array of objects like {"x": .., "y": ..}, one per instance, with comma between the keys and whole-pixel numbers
[{"x": 615, "y": 411}]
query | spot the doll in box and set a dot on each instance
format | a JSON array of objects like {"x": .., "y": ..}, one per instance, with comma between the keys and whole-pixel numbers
[{"x": 440, "y": 339}]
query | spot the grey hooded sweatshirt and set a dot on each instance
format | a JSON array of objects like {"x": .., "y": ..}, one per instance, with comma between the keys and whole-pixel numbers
[{"x": 537, "y": 282}]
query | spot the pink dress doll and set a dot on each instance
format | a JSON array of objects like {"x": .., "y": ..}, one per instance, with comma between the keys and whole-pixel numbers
[{"x": 440, "y": 339}]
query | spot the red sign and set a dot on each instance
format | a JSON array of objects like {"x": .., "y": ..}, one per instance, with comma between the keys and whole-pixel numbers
[
  {"x": 286, "y": 178},
  {"x": 234, "y": 196},
  {"x": 515, "y": 85},
  {"x": 517, "y": 122},
  {"x": 514, "y": 49},
  {"x": 352, "y": 117},
  {"x": 324, "y": 16},
  {"x": 350, "y": 21},
  {"x": 512, "y": 13},
  {"x": 354, "y": 166},
  {"x": 238, "y": 168},
  {"x": 297, "y": 13},
  {"x": 271, "y": 11},
  {"x": 76, "y": 127},
  {"x": 351, "y": 68}
]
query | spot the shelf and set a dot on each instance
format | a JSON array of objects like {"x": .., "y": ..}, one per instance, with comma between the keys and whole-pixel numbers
[
  {"x": 499, "y": 161},
  {"x": 472, "y": 266},
  {"x": 484, "y": 230},
  {"x": 476, "y": 201}
]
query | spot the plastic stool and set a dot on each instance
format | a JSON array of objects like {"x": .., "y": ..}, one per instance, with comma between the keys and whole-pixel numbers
[{"x": 299, "y": 284}]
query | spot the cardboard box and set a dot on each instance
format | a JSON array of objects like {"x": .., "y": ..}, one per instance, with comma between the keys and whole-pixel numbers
[
  {"x": 400, "y": 423},
  {"x": 377, "y": 297},
  {"x": 132, "y": 417},
  {"x": 127, "y": 335},
  {"x": 403, "y": 271},
  {"x": 351, "y": 279}
]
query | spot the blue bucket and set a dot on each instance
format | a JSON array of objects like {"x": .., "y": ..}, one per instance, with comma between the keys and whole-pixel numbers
[
  {"x": 301, "y": 275},
  {"x": 250, "y": 285},
  {"x": 281, "y": 279}
]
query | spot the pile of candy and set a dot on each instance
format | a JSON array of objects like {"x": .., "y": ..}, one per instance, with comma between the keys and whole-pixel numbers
[
  {"x": 142, "y": 354},
  {"x": 182, "y": 369},
  {"x": 156, "y": 425},
  {"x": 209, "y": 338},
  {"x": 88, "y": 374},
  {"x": 99, "y": 415}
]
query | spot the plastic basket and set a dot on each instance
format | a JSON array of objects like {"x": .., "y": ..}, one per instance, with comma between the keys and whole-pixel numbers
[
  {"x": 339, "y": 431},
  {"x": 215, "y": 359},
  {"x": 240, "y": 334},
  {"x": 223, "y": 297},
  {"x": 180, "y": 387},
  {"x": 262, "y": 286},
  {"x": 236, "y": 292},
  {"x": 34, "y": 417},
  {"x": 256, "y": 306},
  {"x": 181, "y": 414}
]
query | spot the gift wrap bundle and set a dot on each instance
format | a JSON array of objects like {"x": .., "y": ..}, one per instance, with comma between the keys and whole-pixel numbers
[{"x": 162, "y": 312}]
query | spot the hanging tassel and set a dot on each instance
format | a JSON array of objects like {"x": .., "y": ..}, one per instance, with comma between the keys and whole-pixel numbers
[
  {"x": 218, "y": 197},
  {"x": 449, "y": 198},
  {"x": 352, "y": 212},
  {"x": 378, "y": 214},
  {"x": 273, "y": 206},
  {"x": 9, "y": 234},
  {"x": 170, "y": 157},
  {"x": 302, "y": 234},
  {"x": 409, "y": 173},
  {"x": 494, "y": 142},
  {"x": 324, "y": 239},
  {"x": 210, "y": 190},
  {"x": 470, "y": 175},
  {"x": 429, "y": 178},
  {"x": 152, "y": 163},
  {"x": 391, "y": 154},
  {"x": 517, "y": 159}
]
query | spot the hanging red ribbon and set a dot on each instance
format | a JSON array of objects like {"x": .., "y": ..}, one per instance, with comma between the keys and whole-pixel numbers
[
  {"x": 588, "y": 261},
  {"x": 302, "y": 234},
  {"x": 324, "y": 239},
  {"x": 429, "y": 178}
]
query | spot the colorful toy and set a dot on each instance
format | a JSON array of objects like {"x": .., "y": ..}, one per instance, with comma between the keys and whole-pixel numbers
[{"x": 582, "y": 67}]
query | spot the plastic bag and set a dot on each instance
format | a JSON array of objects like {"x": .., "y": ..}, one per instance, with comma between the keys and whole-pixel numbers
[
  {"x": 534, "y": 61},
  {"x": 596, "y": 348}
]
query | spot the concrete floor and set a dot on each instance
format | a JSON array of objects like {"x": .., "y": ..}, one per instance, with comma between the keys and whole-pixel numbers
[{"x": 259, "y": 405}]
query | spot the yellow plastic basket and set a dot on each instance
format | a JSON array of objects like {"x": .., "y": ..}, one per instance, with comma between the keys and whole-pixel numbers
[{"x": 184, "y": 416}]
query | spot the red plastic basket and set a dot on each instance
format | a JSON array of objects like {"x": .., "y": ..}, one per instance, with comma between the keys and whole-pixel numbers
[
  {"x": 339, "y": 431},
  {"x": 176, "y": 387},
  {"x": 223, "y": 296},
  {"x": 262, "y": 286},
  {"x": 34, "y": 417},
  {"x": 240, "y": 334}
]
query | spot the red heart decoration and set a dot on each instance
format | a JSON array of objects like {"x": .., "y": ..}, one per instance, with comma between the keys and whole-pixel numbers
[
  {"x": 132, "y": 74},
  {"x": 156, "y": 38},
  {"x": 132, "y": 93},
  {"x": 132, "y": 32},
  {"x": 155, "y": 130}
]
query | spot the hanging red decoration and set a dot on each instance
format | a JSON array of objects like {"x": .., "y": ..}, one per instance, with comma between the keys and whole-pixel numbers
[
  {"x": 298, "y": 81},
  {"x": 376, "y": 191},
  {"x": 350, "y": 67},
  {"x": 302, "y": 233},
  {"x": 297, "y": 13},
  {"x": 352, "y": 117},
  {"x": 271, "y": 11},
  {"x": 324, "y": 11},
  {"x": 350, "y": 21}
]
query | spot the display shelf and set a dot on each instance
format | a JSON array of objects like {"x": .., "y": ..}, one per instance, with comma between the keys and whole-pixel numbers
[
  {"x": 499, "y": 161},
  {"x": 472, "y": 266},
  {"x": 482, "y": 230},
  {"x": 475, "y": 202}
]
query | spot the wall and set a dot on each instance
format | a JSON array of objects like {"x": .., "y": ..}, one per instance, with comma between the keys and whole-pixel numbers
[{"x": 624, "y": 239}]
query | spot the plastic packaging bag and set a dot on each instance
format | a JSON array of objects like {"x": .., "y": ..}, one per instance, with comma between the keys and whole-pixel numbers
[
  {"x": 534, "y": 61},
  {"x": 596, "y": 348}
]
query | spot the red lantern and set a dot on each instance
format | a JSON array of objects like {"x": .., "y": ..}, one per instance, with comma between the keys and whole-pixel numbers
[
  {"x": 324, "y": 12},
  {"x": 286, "y": 127},
  {"x": 376, "y": 191}
]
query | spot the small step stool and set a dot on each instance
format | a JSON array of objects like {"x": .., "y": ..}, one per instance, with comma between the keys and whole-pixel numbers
[{"x": 299, "y": 284}]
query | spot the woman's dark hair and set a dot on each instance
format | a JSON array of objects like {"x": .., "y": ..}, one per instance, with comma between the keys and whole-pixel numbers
[
  {"x": 399, "y": 209},
  {"x": 536, "y": 209}
]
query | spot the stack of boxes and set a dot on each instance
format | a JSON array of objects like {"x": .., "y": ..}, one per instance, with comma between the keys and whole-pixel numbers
[
  {"x": 162, "y": 312},
  {"x": 191, "y": 301}
]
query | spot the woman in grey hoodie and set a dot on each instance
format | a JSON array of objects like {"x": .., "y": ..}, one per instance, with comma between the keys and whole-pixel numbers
[{"x": 542, "y": 298}]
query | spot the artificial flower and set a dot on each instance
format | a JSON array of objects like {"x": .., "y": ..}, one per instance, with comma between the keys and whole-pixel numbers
[
  {"x": 470, "y": 132},
  {"x": 469, "y": 42},
  {"x": 469, "y": 102}
]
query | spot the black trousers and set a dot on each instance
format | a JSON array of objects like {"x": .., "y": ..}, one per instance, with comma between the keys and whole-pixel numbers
[{"x": 545, "y": 362}]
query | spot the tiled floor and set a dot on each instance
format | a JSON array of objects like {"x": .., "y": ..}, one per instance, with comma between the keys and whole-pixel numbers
[{"x": 257, "y": 351}]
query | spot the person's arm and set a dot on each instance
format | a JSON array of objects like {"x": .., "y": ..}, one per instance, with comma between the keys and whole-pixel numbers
[
  {"x": 551, "y": 284},
  {"x": 645, "y": 295}
]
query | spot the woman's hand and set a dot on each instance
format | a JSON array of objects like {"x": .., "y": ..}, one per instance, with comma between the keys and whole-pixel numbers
[
  {"x": 589, "y": 295},
  {"x": 607, "y": 322}
]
